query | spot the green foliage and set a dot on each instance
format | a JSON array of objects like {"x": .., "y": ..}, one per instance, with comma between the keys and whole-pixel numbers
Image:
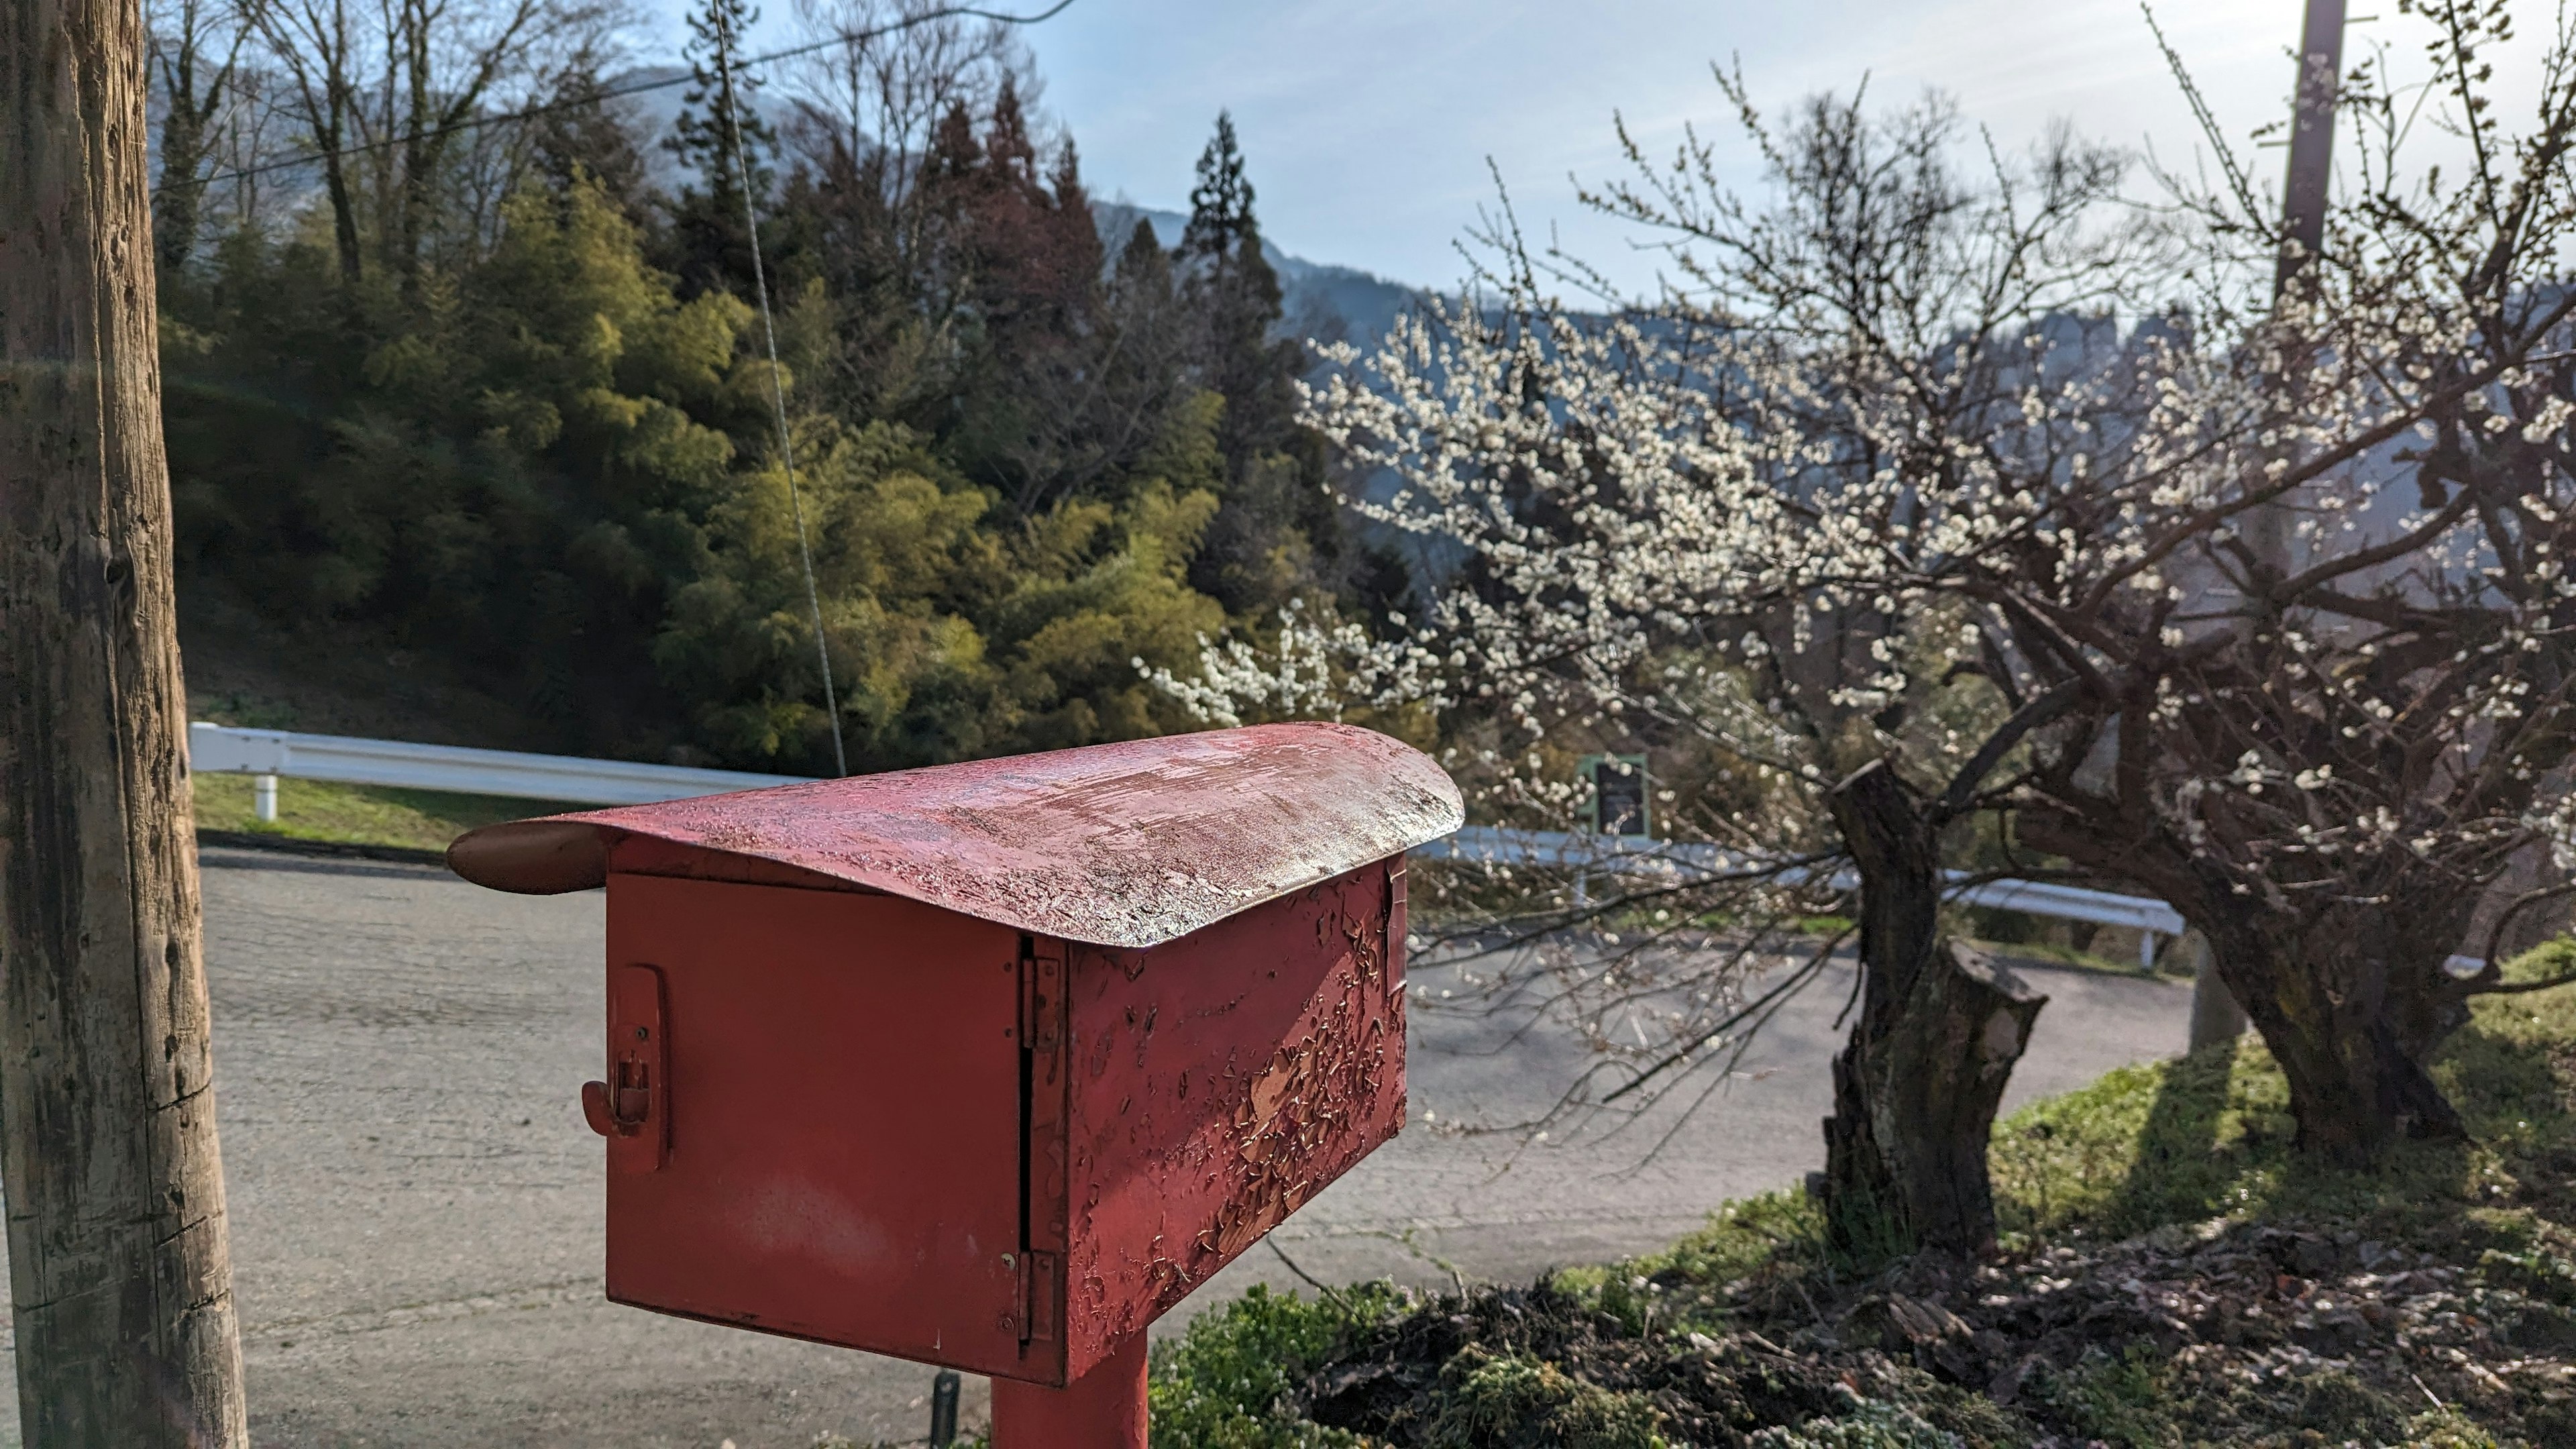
[
  {"x": 508, "y": 477},
  {"x": 550, "y": 461},
  {"x": 1276, "y": 528},
  {"x": 949, "y": 637},
  {"x": 1510, "y": 1401},
  {"x": 899, "y": 561},
  {"x": 1221, "y": 1385},
  {"x": 2119, "y": 1399},
  {"x": 2447, "y": 1429}
]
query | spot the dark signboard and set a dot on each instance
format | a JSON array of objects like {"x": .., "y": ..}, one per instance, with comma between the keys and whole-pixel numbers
[{"x": 1618, "y": 794}]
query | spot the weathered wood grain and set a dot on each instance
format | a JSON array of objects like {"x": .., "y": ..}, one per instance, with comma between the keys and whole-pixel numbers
[{"x": 114, "y": 1187}]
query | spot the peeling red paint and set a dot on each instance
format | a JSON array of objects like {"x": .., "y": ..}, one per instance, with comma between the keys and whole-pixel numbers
[{"x": 1192, "y": 1144}]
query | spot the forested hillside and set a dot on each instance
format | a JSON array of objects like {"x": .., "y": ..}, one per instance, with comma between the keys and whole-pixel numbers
[{"x": 496, "y": 393}]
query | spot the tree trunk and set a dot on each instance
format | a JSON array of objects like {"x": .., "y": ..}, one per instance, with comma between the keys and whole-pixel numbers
[
  {"x": 117, "y": 1257},
  {"x": 2348, "y": 990},
  {"x": 183, "y": 191},
  {"x": 344, "y": 209},
  {"x": 2352, "y": 1002},
  {"x": 180, "y": 198},
  {"x": 412, "y": 209},
  {"x": 1940, "y": 1026}
]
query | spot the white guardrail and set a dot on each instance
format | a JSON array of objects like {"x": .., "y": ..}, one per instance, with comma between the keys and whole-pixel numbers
[
  {"x": 266, "y": 755},
  {"x": 1632, "y": 855}
]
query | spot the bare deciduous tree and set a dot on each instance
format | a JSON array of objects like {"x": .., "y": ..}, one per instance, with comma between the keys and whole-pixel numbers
[
  {"x": 196, "y": 53},
  {"x": 385, "y": 92},
  {"x": 903, "y": 69}
]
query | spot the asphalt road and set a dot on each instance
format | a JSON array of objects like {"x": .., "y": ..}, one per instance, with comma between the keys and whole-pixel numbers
[{"x": 415, "y": 1199}]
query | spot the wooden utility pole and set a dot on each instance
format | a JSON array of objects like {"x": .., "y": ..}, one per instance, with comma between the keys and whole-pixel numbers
[{"x": 118, "y": 1267}]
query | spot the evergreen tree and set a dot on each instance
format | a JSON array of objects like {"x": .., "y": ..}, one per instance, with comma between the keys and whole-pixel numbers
[
  {"x": 583, "y": 138},
  {"x": 719, "y": 136},
  {"x": 1236, "y": 294},
  {"x": 1221, "y": 201},
  {"x": 1278, "y": 527}
]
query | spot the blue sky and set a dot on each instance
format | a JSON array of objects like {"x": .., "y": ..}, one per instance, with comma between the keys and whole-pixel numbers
[{"x": 1368, "y": 123}]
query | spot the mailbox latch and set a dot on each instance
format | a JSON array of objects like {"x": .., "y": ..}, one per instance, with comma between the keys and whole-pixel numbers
[{"x": 631, "y": 1109}]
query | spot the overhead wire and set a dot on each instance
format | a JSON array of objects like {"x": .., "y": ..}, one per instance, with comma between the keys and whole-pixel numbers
[
  {"x": 636, "y": 88},
  {"x": 777, "y": 383}
]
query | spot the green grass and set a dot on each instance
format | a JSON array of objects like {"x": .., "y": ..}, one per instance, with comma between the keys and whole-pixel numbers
[
  {"x": 2210, "y": 1136},
  {"x": 2044, "y": 953},
  {"x": 1220, "y": 1385},
  {"x": 357, "y": 814}
]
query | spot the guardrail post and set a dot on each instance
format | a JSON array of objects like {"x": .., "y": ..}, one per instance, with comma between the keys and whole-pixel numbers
[{"x": 263, "y": 798}]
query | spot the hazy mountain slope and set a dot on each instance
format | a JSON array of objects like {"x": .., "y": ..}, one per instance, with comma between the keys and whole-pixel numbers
[{"x": 1322, "y": 301}]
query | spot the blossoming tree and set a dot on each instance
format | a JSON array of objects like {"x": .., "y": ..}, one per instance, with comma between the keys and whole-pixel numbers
[
  {"x": 1731, "y": 525},
  {"x": 1929, "y": 495},
  {"x": 2323, "y": 697}
]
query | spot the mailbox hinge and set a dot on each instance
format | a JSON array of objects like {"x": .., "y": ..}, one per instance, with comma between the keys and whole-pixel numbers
[
  {"x": 1396, "y": 924},
  {"x": 1041, "y": 996},
  {"x": 1045, "y": 972},
  {"x": 1041, "y": 1289}
]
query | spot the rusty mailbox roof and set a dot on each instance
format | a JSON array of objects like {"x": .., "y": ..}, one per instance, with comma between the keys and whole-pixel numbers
[{"x": 1128, "y": 844}]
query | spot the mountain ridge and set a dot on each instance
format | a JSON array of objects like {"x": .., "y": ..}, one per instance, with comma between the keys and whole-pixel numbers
[{"x": 1321, "y": 301}]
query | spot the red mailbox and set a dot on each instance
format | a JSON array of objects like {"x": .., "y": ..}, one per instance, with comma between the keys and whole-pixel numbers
[{"x": 988, "y": 1065}]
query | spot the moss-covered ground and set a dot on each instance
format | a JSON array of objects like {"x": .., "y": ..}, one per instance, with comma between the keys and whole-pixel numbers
[{"x": 2173, "y": 1273}]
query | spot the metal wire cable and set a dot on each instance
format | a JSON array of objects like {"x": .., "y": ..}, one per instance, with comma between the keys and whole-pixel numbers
[{"x": 778, "y": 388}]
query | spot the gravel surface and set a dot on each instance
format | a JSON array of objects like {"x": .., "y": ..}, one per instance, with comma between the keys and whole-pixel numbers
[{"x": 415, "y": 1199}]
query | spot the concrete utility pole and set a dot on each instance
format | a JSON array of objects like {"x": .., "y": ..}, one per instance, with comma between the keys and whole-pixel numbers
[
  {"x": 2303, "y": 195},
  {"x": 2215, "y": 1015},
  {"x": 118, "y": 1265}
]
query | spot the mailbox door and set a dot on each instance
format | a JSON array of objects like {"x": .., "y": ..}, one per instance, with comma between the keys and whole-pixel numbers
[
  {"x": 842, "y": 1159},
  {"x": 1218, "y": 1082}
]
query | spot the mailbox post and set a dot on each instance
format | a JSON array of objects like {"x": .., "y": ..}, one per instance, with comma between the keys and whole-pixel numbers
[{"x": 989, "y": 1065}]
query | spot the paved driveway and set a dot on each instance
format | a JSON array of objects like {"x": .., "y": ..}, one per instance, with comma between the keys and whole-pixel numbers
[{"x": 415, "y": 1200}]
